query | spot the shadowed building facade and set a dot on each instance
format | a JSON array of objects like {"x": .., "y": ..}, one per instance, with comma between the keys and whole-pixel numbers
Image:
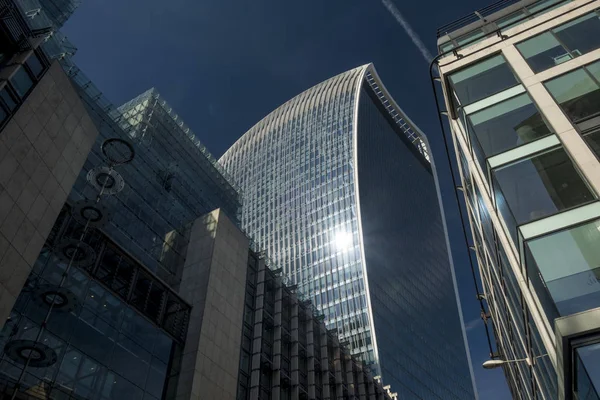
[{"x": 339, "y": 188}]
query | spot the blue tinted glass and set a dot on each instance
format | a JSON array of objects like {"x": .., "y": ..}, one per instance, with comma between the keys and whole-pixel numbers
[
  {"x": 581, "y": 35},
  {"x": 568, "y": 262},
  {"x": 8, "y": 99},
  {"x": 483, "y": 79},
  {"x": 577, "y": 94},
  {"x": 543, "y": 51},
  {"x": 3, "y": 115},
  {"x": 298, "y": 168},
  {"x": 508, "y": 124},
  {"x": 21, "y": 81},
  {"x": 34, "y": 64},
  {"x": 541, "y": 185},
  {"x": 587, "y": 372}
]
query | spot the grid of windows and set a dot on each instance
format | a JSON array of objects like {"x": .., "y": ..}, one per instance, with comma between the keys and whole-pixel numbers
[
  {"x": 299, "y": 201},
  {"x": 297, "y": 169},
  {"x": 532, "y": 203}
]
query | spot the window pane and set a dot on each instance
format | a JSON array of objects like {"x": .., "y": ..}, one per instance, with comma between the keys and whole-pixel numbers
[
  {"x": 470, "y": 38},
  {"x": 593, "y": 140},
  {"x": 482, "y": 80},
  {"x": 594, "y": 69},
  {"x": 581, "y": 35},
  {"x": 508, "y": 124},
  {"x": 569, "y": 263},
  {"x": 3, "y": 115},
  {"x": 21, "y": 82},
  {"x": 9, "y": 101},
  {"x": 35, "y": 65},
  {"x": 511, "y": 20},
  {"x": 543, "y": 51},
  {"x": 576, "y": 93},
  {"x": 588, "y": 371},
  {"x": 541, "y": 186},
  {"x": 545, "y": 5}
]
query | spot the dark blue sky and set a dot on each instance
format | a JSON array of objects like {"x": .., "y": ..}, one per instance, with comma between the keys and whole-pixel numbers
[{"x": 225, "y": 64}]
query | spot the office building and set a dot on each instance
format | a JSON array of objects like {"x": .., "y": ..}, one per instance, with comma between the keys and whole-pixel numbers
[
  {"x": 374, "y": 261},
  {"x": 521, "y": 82},
  {"x": 117, "y": 278}
]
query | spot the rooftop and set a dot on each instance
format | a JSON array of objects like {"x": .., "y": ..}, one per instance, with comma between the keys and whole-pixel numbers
[{"x": 491, "y": 20}]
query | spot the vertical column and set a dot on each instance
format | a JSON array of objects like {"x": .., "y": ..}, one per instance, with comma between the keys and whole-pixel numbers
[
  {"x": 277, "y": 340},
  {"x": 325, "y": 367},
  {"x": 214, "y": 282},
  {"x": 295, "y": 348},
  {"x": 257, "y": 335},
  {"x": 572, "y": 141},
  {"x": 362, "y": 391},
  {"x": 311, "y": 353}
]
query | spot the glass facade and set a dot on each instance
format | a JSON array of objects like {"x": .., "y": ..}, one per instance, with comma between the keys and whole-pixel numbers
[
  {"x": 99, "y": 316},
  {"x": 562, "y": 43},
  {"x": 531, "y": 190},
  {"x": 468, "y": 31},
  {"x": 300, "y": 170}
]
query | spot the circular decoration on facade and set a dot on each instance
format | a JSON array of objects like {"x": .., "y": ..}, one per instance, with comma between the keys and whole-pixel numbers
[
  {"x": 39, "y": 355},
  {"x": 91, "y": 213},
  {"x": 60, "y": 298},
  {"x": 77, "y": 252},
  {"x": 118, "y": 151},
  {"x": 106, "y": 180}
]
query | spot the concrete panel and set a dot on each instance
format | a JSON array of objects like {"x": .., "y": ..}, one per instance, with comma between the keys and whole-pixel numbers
[
  {"x": 34, "y": 177},
  {"x": 213, "y": 281}
]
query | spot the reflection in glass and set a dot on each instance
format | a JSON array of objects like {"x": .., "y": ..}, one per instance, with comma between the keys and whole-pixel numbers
[
  {"x": 593, "y": 140},
  {"x": 594, "y": 69},
  {"x": 581, "y": 35},
  {"x": 540, "y": 186},
  {"x": 8, "y": 99},
  {"x": 543, "y": 51},
  {"x": 508, "y": 124},
  {"x": 587, "y": 372},
  {"x": 482, "y": 80},
  {"x": 34, "y": 64},
  {"x": 569, "y": 264},
  {"x": 21, "y": 81},
  {"x": 576, "y": 93},
  {"x": 562, "y": 43}
]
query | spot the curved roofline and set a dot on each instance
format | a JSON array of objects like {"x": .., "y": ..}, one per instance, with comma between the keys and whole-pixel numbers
[
  {"x": 234, "y": 144},
  {"x": 359, "y": 82}
]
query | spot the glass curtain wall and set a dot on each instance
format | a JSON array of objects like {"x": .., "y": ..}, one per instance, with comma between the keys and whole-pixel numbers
[{"x": 562, "y": 43}]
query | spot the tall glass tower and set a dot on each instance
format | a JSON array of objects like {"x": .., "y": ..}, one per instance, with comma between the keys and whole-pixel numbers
[{"x": 339, "y": 189}]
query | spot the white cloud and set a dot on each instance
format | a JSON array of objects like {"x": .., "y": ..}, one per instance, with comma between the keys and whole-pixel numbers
[
  {"x": 408, "y": 29},
  {"x": 474, "y": 323}
]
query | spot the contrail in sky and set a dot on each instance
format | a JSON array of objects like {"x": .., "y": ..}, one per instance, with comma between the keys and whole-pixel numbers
[{"x": 408, "y": 29}]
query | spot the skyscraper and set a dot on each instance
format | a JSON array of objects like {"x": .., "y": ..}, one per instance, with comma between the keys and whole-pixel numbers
[
  {"x": 521, "y": 82},
  {"x": 339, "y": 189}
]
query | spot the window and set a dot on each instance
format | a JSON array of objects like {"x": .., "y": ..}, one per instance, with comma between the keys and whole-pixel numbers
[
  {"x": 543, "y": 51},
  {"x": 8, "y": 99},
  {"x": 569, "y": 263},
  {"x": 508, "y": 124},
  {"x": 593, "y": 140},
  {"x": 21, "y": 81},
  {"x": 3, "y": 115},
  {"x": 35, "y": 66},
  {"x": 482, "y": 80},
  {"x": 578, "y": 92},
  {"x": 587, "y": 372},
  {"x": 562, "y": 43},
  {"x": 539, "y": 186}
]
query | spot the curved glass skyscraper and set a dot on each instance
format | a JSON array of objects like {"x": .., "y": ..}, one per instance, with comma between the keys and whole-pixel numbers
[{"x": 339, "y": 189}]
